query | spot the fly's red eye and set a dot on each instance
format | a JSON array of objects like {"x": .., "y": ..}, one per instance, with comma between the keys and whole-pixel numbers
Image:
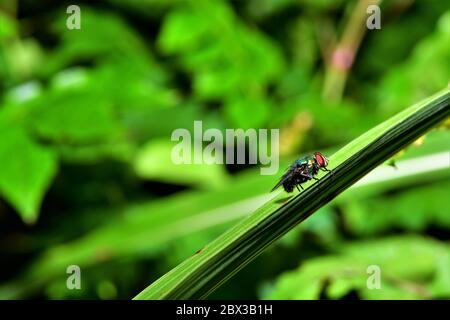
[{"x": 321, "y": 160}]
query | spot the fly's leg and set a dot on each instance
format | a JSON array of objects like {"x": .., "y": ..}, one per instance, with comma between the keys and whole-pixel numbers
[
  {"x": 310, "y": 176},
  {"x": 327, "y": 170},
  {"x": 306, "y": 175}
]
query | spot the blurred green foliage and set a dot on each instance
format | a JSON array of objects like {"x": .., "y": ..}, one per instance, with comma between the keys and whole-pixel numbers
[
  {"x": 349, "y": 268},
  {"x": 85, "y": 123}
]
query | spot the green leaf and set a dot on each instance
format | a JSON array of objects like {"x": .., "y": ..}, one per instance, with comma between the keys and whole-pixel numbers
[
  {"x": 27, "y": 171},
  {"x": 103, "y": 34},
  {"x": 173, "y": 36},
  {"x": 8, "y": 27},
  {"x": 248, "y": 112},
  {"x": 74, "y": 116},
  {"x": 223, "y": 54},
  {"x": 404, "y": 84},
  {"x": 348, "y": 270},
  {"x": 410, "y": 215},
  {"x": 154, "y": 161},
  {"x": 201, "y": 274}
]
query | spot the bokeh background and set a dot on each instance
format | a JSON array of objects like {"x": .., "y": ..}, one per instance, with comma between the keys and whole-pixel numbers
[{"x": 85, "y": 123}]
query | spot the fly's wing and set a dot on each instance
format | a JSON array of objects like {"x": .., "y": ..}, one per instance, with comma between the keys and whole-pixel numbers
[{"x": 286, "y": 176}]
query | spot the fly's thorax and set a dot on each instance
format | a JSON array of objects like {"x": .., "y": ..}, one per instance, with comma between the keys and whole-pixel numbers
[{"x": 301, "y": 162}]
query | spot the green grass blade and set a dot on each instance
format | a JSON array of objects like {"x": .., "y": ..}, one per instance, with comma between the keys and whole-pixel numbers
[{"x": 202, "y": 273}]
